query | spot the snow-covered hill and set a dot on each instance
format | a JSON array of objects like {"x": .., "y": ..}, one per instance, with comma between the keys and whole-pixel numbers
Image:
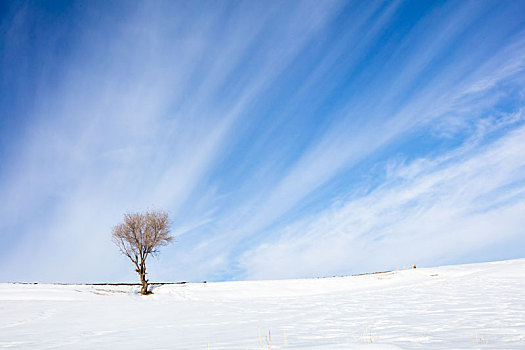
[{"x": 452, "y": 307}]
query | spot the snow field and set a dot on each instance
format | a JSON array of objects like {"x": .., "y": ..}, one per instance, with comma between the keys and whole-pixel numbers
[{"x": 453, "y": 307}]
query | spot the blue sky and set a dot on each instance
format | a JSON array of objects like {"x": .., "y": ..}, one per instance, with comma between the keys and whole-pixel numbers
[{"x": 286, "y": 139}]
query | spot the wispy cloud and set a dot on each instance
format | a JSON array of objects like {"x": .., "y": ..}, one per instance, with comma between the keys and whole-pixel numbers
[
  {"x": 361, "y": 132},
  {"x": 138, "y": 120},
  {"x": 427, "y": 211},
  {"x": 241, "y": 119}
]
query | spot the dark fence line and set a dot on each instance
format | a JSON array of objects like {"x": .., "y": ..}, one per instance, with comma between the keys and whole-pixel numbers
[{"x": 104, "y": 284}]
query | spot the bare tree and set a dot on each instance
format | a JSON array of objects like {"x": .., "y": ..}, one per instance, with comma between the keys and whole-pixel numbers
[{"x": 141, "y": 235}]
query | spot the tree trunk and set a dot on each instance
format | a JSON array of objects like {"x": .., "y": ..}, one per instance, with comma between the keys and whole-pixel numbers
[
  {"x": 144, "y": 281},
  {"x": 141, "y": 270}
]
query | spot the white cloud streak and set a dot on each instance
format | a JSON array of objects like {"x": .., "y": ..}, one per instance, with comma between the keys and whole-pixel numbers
[
  {"x": 116, "y": 135},
  {"x": 149, "y": 106},
  {"x": 428, "y": 211},
  {"x": 365, "y": 130}
]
